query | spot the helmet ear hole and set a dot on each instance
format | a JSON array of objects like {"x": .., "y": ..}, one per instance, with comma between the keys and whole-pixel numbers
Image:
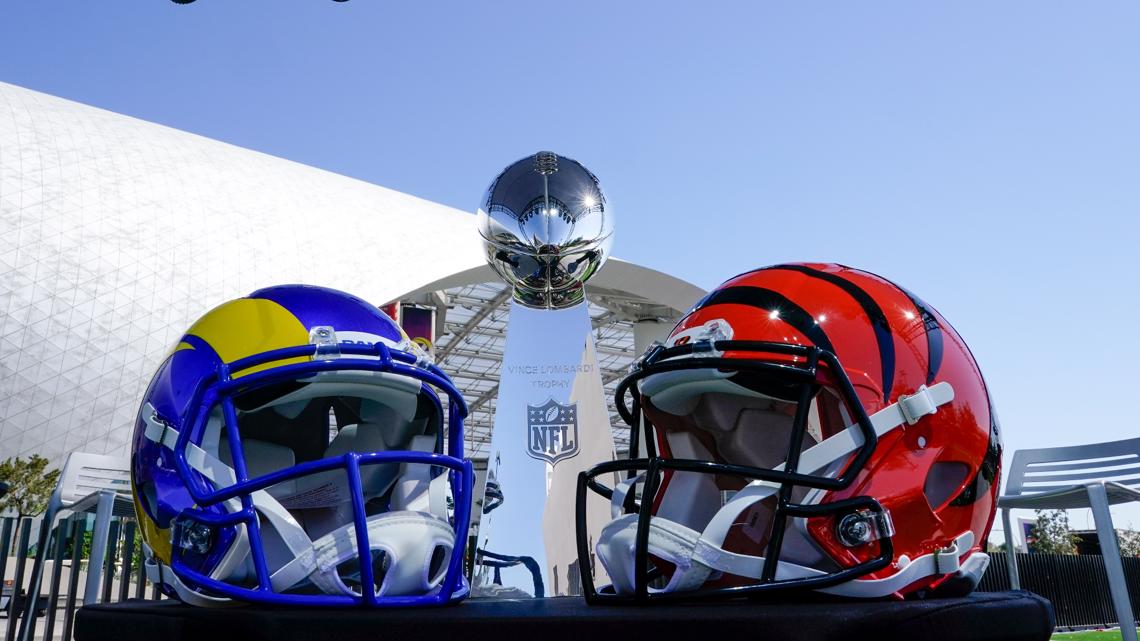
[
  {"x": 943, "y": 481},
  {"x": 349, "y": 571},
  {"x": 438, "y": 564},
  {"x": 381, "y": 563}
]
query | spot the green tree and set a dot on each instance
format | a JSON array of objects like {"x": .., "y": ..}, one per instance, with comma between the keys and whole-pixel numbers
[
  {"x": 1129, "y": 541},
  {"x": 30, "y": 484},
  {"x": 121, "y": 548},
  {"x": 1051, "y": 533}
]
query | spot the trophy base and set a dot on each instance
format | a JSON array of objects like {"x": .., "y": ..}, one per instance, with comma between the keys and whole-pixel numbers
[{"x": 982, "y": 615}]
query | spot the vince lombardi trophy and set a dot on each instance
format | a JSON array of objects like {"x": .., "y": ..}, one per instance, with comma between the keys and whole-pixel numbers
[{"x": 546, "y": 229}]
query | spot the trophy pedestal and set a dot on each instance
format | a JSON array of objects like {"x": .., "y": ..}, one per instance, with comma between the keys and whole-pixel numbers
[{"x": 982, "y": 615}]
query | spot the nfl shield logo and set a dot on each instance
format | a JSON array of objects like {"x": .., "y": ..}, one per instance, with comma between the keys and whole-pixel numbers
[{"x": 552, "y": 431}]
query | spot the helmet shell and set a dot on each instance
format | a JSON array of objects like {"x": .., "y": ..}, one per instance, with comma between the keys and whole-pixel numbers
[{"x": 269, "y": 319}]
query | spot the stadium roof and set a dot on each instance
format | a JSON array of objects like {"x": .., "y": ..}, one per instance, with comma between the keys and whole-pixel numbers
[
  {"x": 475, "y": 309},
  {"x": 116, "y": 234}
]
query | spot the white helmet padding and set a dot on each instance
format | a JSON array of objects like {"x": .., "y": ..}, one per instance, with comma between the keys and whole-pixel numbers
[
  {"x": 695, "y": 521},
  {"x": 390, "y": 415},
  {"x": 306, "y": 523},
  {"x": 261, "y": 458},
  {"x": 703, "y": 415},
  {"x": 692, "y": 499},
  {"x": 677, "y": 392},
  {"x": 400, "y": 393},
  {"x": 416, "y": 548},
  {"x": 696, "y": 560},
  {"x": 417, "y": 541}
]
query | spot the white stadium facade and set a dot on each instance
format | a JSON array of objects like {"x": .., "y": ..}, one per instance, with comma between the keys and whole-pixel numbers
[{"x": 116, "y": 234}]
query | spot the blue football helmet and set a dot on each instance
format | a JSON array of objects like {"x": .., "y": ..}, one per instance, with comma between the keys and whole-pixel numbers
[{"x": 291, "y": 449}]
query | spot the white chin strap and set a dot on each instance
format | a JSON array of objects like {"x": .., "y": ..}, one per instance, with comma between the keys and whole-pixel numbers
[
  {"x": 409, "y": 538},
  {"x": 696, "y": 561},
  {"x": 698, "y": 556}
]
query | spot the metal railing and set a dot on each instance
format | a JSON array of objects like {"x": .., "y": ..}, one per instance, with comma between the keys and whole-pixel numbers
[
  {"x": 1077, "y": 585},
  {"x": 51, "y": 614}
]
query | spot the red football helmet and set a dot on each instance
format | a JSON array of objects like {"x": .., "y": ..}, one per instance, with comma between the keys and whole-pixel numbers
[{"x": 805, "y": 426}]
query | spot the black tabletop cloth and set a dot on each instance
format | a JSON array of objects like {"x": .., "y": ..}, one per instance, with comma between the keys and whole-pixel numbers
[{"x": 981, "y": 616}]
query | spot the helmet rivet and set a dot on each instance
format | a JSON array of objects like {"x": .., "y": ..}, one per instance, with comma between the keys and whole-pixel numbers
[{"x": 922, "y": 441}]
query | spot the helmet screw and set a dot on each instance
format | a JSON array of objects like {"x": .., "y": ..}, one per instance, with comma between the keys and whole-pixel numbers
[
  {"x": 854, "y": 530},
  {"x": 192, "y": 536}
]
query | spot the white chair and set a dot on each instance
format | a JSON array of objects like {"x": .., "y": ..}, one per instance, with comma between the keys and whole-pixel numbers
[
  {"x": 89, "y": 482},
  {"x": 1081, "y": 476}
]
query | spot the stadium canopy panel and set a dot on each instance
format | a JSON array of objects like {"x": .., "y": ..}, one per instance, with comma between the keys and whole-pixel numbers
[
  {"x": 116, "y": 234},
  {"x": 475, "y": 308}
]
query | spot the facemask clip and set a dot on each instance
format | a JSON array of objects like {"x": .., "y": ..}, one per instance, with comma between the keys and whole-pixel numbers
[
  {"x": 423, "y": 356},
  {"x": 864, "y": 526},
  {"x": 704, "y": 341},
  {"x": 648, "y": 358},
  {"x": 324, "y": 337},
  {"x": 917, "y": 405}
]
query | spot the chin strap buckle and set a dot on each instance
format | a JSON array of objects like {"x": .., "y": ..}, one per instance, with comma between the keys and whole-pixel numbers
[{"x": 917, "y": 405}]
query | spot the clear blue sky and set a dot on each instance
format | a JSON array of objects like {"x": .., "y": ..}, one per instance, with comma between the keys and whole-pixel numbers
[{"x": 985, "y": 155}]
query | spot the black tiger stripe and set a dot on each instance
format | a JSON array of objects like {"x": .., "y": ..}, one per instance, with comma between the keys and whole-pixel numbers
[
  {"x": 770, "y": 301},
  {"x": 879, "y": 322},
  {"x": 933, "y": 335}
]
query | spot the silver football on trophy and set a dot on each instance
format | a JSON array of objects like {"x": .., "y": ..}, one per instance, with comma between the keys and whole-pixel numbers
[{"x": 546, "y": 229}]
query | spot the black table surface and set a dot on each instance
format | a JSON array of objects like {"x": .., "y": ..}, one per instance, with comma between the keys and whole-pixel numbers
[{"x": 982, "y": 615}]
